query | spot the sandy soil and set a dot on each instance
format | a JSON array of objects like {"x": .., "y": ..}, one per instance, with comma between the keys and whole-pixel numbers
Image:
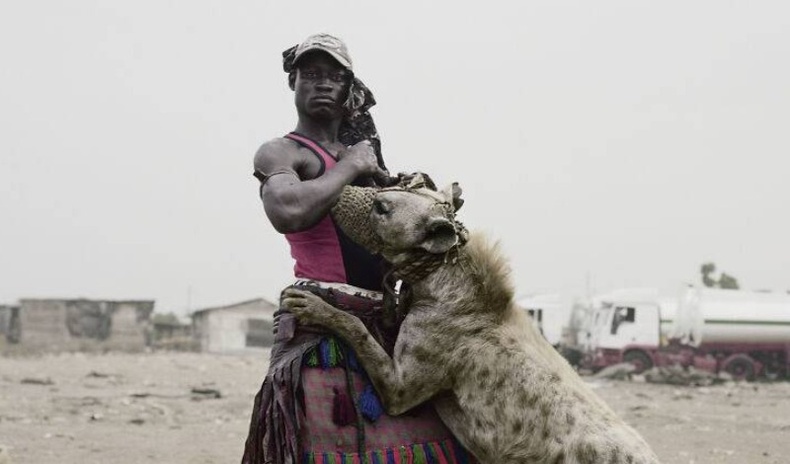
[{"x": 125, "y": 408}]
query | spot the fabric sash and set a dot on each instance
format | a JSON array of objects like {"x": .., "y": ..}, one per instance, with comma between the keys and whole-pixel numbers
[{"x": 278, "y": 410}]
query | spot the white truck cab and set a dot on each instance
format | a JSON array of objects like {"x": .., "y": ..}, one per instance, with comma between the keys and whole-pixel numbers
[{"x": 622, "y": 318}]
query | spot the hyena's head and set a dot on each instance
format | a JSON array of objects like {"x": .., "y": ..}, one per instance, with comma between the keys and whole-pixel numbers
[{"x": 400, "y": 221}]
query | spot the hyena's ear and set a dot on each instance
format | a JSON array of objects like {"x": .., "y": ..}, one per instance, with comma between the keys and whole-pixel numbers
[
  {"x": 452, "y": 194},
  {"x": 440, "y": 236}
]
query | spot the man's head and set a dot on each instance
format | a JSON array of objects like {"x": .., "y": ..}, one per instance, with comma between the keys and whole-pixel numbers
[{"x": 320, "y": 75}]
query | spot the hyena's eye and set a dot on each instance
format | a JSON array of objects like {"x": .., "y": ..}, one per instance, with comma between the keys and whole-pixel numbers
[{"x": 381, "y": 207}]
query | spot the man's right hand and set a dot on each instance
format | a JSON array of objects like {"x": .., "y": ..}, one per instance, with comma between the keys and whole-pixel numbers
[{"x": 363, "y": 157}]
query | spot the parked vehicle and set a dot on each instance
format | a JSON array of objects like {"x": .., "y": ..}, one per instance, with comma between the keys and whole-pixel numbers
[
  {"x": 746, "y": 334},
  {"x": 549, "y": 315}
]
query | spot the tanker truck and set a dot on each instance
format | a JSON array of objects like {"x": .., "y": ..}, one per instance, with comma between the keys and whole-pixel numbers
[{"x": 743, "y": 333}]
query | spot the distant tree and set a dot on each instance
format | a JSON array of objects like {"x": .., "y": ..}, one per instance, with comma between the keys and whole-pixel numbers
[
  {"x": 728, "y": 282},
  {"x": 707, "y": 269},
  {"x": 725, "y": 281}
]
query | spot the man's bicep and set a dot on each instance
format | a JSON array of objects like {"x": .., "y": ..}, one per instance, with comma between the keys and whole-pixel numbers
[
  {"x": 269, "y": 161},
  {"x": 280, "y": 201}
]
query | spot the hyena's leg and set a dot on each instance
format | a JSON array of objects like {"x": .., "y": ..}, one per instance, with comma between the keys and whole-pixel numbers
[{"x": 402, "y": 383}]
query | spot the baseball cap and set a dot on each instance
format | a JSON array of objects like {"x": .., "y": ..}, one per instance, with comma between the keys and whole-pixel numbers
[{"x": 330, "y": 44}]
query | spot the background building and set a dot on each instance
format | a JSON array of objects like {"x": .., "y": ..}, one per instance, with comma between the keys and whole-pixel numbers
[
  {"x": 237, "y": 327},
  {"x": 81, "y": 324}
]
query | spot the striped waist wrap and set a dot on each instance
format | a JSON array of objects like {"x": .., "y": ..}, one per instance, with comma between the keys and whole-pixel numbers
[{"x": 278, "y": 411}]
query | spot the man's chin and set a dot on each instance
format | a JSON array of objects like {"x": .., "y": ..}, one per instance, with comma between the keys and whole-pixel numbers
[{"x": 325, "y": 113}]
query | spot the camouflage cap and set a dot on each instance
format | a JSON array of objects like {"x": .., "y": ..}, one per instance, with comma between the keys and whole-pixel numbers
[{"x": 330, "y": 44}]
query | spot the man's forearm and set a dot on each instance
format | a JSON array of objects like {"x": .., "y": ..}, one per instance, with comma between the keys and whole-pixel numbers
[{"x": 293, "y": 205}]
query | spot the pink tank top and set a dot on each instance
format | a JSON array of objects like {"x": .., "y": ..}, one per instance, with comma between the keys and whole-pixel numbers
[{"x": 324, "y": 252}]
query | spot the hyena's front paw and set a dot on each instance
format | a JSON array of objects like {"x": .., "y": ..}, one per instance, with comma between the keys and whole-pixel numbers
[{"x": 308, "y": 308}]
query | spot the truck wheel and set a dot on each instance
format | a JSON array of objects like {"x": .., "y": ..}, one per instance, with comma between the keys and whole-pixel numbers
[
  {"x": 740, "y": 367},
  {"x": 639, "y": 359},
  {"x": 572, "y": 355}
]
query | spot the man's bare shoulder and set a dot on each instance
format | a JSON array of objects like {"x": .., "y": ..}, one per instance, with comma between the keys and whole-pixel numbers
[{"x": 276, "y": 153}]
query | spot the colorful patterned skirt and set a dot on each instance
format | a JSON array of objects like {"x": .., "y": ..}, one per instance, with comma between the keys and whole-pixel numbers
[{"x": 317, "y": 405}]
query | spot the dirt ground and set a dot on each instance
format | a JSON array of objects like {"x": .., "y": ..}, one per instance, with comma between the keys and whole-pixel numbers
[{"x": 138, "y": 408}]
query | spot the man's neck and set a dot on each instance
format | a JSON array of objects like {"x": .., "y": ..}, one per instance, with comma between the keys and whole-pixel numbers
[{"x": 324, "y": 132}]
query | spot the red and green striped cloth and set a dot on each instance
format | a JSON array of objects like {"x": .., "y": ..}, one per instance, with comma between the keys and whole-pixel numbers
[
  {"x": 444, "y": 452},
  {"x": 416, "y": 437}
]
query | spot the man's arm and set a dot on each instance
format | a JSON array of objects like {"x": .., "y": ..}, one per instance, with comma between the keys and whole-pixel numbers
[{"x": 293, "y": 205}]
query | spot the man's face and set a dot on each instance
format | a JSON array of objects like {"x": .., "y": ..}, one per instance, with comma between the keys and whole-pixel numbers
[{"x": 321, "y": 86}]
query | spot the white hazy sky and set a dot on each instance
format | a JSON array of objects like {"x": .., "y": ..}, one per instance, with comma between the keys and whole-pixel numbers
[{"x": 626, "y": 141}]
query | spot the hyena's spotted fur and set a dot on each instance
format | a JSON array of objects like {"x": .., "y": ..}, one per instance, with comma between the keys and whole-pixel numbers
[{"x": 504, "y": 392}]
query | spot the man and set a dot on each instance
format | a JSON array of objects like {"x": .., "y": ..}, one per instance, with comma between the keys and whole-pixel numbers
[
  {"x": 316, "y": 404},
  {"x": 321, "y": 87}
]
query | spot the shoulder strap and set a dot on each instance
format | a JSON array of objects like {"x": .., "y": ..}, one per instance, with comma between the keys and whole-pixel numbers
[{"x": 310, "y": 144}]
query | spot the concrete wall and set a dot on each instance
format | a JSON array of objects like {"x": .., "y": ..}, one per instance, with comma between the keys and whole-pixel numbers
[
  {"x": 5, "y": 318},
  {"x": 81, "y": 324},
  {"x": 43, "y": 323},
  {"x": 128, "y": 329},
  {"x": 9, "y": 324}
]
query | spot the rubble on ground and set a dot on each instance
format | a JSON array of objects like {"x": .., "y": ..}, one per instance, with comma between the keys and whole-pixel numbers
[
  {"x": 622, "y": 371},
  {"x": 679, "y": 375}
]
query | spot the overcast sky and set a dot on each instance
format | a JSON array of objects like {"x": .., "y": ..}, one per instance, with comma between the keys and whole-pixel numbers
[{"x": 605, "y": 144}]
